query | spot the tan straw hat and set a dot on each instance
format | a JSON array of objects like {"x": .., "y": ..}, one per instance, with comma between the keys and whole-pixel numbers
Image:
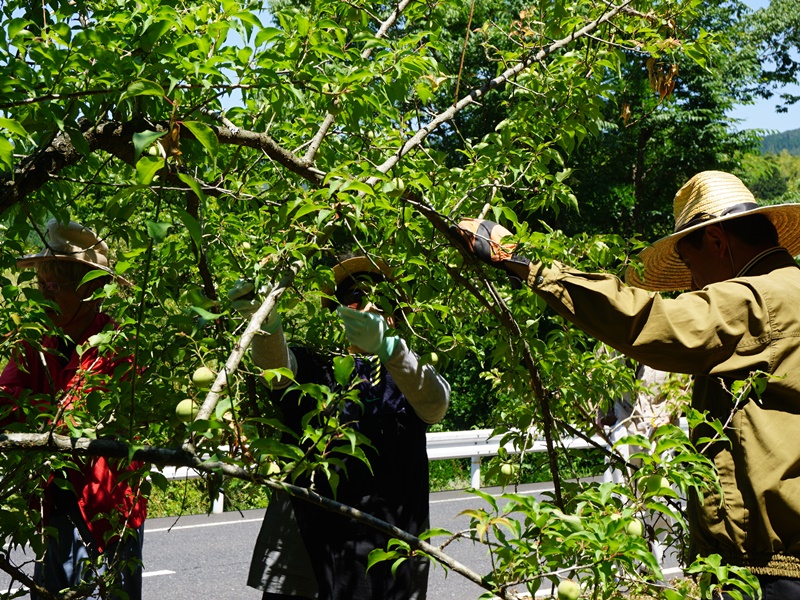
[
  {"x": 350, "y": 267},
  {"x": 708, "y": 197},
  {"x": 72, "y": 242}
]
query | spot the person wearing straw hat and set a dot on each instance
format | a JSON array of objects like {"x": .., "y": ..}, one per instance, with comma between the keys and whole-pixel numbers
[
  {"x": 304, "y": 551},
  {"x": 739, "y": 313},
  {"x": 94, "y": 508}
]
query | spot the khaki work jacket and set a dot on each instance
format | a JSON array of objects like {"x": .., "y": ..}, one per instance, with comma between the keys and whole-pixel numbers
[{"x": 718, "y": 334}]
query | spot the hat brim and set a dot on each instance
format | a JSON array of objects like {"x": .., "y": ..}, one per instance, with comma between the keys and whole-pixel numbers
[
  {"x": 31, "y": 260},
  {"x": 664, "y": 271},
  {"x": 349, "y": 268}
]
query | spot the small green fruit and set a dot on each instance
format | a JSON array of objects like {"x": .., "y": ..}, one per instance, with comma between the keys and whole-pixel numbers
[
  {"x": 186, "y": 410},
  {"x": 568, "y": 590},
  {"x": 203, "y": 377},
  {"x": 430, "y": 359},
  {"x": 657, "y": 485},
  {"x": 397, "y": 187},
  {"x": 245, "y": 245},
  {"x": 507, "y": 469},
  {"x": 635, "y": 528}
]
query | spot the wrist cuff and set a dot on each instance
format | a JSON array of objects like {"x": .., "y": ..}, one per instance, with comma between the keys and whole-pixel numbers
[
  {"x": 272, "y": 324},
  {"x": 387, "y": 347}
]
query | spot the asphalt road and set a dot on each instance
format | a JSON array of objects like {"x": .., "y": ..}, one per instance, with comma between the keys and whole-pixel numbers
[{"x": 207, "y": 556}]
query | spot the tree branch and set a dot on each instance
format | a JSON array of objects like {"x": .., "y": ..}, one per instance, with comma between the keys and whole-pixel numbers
[
  {"x": 185, "y": 457},
  {"x": 479, "y": 93}
]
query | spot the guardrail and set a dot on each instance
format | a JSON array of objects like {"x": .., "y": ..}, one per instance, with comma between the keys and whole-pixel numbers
[
  {"x": 442, "y": 445},
  {"x": 477, "y": 443}
]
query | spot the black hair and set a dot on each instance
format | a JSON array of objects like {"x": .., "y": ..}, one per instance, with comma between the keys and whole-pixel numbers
[{"x": 753, "y": 230}]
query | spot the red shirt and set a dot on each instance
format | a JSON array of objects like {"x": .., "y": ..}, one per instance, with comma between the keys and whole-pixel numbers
[{"x": 97, "y": 483}]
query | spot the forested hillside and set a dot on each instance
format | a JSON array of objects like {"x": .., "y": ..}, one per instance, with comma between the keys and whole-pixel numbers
[{"x": 786, "y": 140}]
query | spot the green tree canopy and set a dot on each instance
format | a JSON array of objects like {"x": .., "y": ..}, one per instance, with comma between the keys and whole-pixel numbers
[{"x": 207, "y": 143}]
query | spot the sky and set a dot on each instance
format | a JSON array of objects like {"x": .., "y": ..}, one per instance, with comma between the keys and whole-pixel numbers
[{"x": 762, "y": 114}]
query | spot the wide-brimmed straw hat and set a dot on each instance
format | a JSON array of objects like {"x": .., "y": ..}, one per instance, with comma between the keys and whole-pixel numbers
[
  {"x": 351, "y": 267},
  {"x": 73, "y": 242},
  {"x": 707, "y": 198}
]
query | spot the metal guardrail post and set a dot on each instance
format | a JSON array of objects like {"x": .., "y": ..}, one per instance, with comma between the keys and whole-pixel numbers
[{"x": 475, "y": 472}]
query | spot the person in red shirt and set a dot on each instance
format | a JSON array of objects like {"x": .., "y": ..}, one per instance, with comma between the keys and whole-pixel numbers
[{"x": 95, "y": 512}]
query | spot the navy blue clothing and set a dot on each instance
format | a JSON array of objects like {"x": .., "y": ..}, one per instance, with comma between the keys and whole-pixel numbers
[{"x": 396, "y": 490}]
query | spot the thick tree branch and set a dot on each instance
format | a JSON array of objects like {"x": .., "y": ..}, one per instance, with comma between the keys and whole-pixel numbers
[
  {"x": 185, "y": 457},
  {"x": 476, "y": 94},
  {"x": 329, "y": 119}
]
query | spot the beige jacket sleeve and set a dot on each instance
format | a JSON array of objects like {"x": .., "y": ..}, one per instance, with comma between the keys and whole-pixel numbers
[
  {"x": 424, "y": 388},
  {"x": 270, "y": 351},
  {"x": 699, "y": 333}
]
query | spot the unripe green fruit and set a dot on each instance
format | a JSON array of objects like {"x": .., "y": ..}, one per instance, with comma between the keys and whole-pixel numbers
[
  {"x": 507, "y": 469},
  {"x": 656, "y": 485},
  {"x": 398, "y": 186},
  {"x": 568, "y": 590},
  {"x": 246, "y": 245},
  {"x": 203, "y": 377},
  {"x": 430, "y": 359},
  {"x": 186, "y": 410},
  {"x": 635, "y": 528}
]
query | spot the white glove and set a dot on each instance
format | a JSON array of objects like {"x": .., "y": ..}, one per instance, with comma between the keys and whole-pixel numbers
[
  {"x": 367, "y": 331},
  {"x": 245, "y": 301}
]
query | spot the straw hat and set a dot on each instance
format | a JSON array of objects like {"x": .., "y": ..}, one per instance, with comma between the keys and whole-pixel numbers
[
  {"x": 351, "y": 267},
  {"x": 72, "y": 242},
  {"x": 708, "y": 197}
]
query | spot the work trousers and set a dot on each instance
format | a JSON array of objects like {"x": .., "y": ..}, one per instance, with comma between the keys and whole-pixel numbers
[
  {"x": 775, "y": 588},
  {"x": 70, "y": 554}
]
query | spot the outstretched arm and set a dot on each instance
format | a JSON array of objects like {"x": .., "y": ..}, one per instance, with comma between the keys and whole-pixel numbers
[{"x": 269, "y": 348}]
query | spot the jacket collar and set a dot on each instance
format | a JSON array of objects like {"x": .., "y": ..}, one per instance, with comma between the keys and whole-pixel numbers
[{"x": 766, "y": 262}]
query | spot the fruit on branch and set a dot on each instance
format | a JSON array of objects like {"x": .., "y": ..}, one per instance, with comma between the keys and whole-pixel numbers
[
  {"x": 203, "y": 377},
  {"x": 657, "y": 485},
  {"x": 396, "y": 187},
  {"x": 186, "y": 410},
  {"x": 568, "y": 590},
  {"x": 634, "y": 528}
]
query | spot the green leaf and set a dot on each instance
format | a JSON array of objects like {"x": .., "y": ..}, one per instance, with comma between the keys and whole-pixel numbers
[
  {"x": 223, "y": 406},
  {"x": 378, "y": 555},
  {"x": 144, "y": 139},
  {"x": 6, "y": 152},
  {"x": 204, "y": 134},
  {"x": 142, "y": 88},
  {"x": 204, "y": 314},
  {"x": 192, "y": 226},
  {"x": 146, "y": 169},
  {"x": 157, "y": 231},
  {"x": 343, "y": 369},
  {"x": 92, "y": 275},
  {"x": 13, "y": 126}
]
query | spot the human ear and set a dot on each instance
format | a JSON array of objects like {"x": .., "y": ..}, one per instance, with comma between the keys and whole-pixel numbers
[{"x": 718, "y": 240}]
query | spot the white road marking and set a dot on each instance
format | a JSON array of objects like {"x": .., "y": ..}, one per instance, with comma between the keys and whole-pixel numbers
[
  {"x": 157, "y": 573},
  {"x": 176, "y": 527}
]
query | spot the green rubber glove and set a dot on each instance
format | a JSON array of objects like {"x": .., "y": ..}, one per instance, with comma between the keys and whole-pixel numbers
[
  {"x": 367, "y": 331},
  {"x": 246, "y": 302}
]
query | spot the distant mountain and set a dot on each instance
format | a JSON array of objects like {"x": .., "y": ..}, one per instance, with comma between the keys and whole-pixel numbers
[{"x": 777, "y": 142}]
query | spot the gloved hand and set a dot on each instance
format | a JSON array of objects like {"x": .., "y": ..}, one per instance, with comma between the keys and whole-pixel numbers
[
  {"x": 367, "y": 331},
  {"x": 246, "y": 303},
  {"x": 484, "y": 239}
]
